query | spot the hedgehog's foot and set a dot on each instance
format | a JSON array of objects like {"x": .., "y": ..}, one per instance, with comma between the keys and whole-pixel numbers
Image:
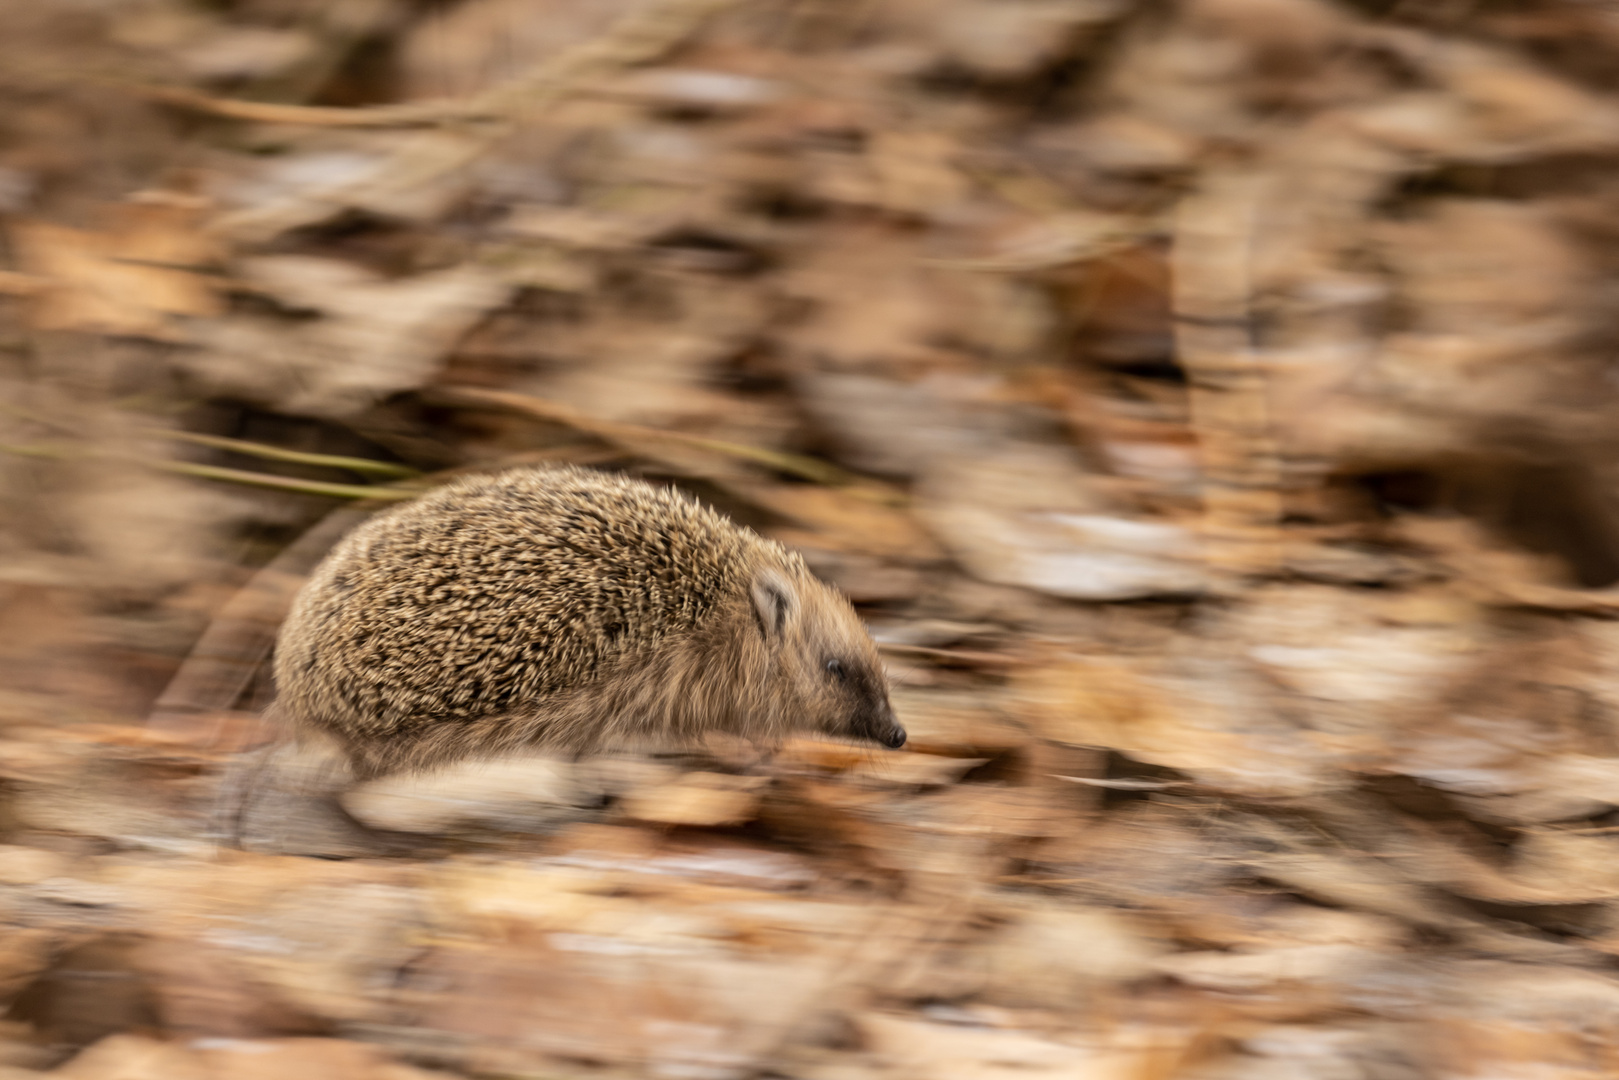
[{"x": 285, "y": 801}]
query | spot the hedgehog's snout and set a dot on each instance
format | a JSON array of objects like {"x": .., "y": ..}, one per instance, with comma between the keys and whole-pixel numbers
[
  {"x": 884, "y": 729},
  {"x": 890, "y": 733}
]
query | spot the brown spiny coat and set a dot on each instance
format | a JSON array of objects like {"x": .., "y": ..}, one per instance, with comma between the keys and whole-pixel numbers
[{"x": 569, "y": 610}]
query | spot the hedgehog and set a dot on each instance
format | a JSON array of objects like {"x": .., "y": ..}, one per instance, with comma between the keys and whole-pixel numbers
[{"x": 566, "y": 610}]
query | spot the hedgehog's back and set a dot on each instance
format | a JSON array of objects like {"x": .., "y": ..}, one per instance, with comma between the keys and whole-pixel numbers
[{"x": 494, "y": 592}]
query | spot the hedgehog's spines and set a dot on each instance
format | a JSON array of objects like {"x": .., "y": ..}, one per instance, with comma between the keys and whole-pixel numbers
[{"x": 563, "y": 608}]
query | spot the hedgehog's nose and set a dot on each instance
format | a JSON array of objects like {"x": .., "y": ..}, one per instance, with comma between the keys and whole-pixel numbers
[{"x": 893, "y": 735}]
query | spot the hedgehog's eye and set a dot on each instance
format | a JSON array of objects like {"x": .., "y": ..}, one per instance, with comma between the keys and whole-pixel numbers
[{"x": 835, "y": 669}]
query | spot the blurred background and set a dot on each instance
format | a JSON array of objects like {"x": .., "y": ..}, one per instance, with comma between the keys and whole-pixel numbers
[{"x": 1210, "y": 405}]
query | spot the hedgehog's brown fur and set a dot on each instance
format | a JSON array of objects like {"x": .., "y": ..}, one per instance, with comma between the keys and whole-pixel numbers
[{"x": 570, "y": 610}]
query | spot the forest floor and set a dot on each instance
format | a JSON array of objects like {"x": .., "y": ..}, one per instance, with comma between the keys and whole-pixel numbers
[{"x": 1209, "y": 404}]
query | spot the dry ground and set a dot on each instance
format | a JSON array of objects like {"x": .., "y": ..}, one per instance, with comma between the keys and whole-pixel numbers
[{"x": 1209, "y": 403}]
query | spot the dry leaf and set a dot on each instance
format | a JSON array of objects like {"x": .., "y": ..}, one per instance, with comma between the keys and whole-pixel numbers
[
  {"x": 135, "y": 1057},
  {"x": 1052, "y": 955},
  {"x": 918, "y": 1048},
  {"x": 702, "y": 799},
  {"x": 459, "y": 51},
  {"x": 1025, "y": 518},
  {"x": 140, "y": 276},
  {"x": 374, "y": 337}
]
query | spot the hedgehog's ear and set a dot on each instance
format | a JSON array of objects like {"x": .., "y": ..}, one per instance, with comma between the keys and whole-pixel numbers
[{"x": 773, "y": 600}]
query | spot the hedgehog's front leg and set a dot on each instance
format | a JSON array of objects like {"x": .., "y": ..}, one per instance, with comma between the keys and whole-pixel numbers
[{"x": 285, "y": 798}]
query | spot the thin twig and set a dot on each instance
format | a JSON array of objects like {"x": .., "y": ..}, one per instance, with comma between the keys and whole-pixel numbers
[
  {"x": 34, "y": 451},
  {"x": 233, "y": 476},
  {"x": 414, "y": 114},
  {"x": 276, "y": 453},
  {"x": 286, "y": 483}
]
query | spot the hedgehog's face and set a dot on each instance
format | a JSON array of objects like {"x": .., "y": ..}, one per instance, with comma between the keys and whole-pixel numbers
[{"x": 830, "y": 678}]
